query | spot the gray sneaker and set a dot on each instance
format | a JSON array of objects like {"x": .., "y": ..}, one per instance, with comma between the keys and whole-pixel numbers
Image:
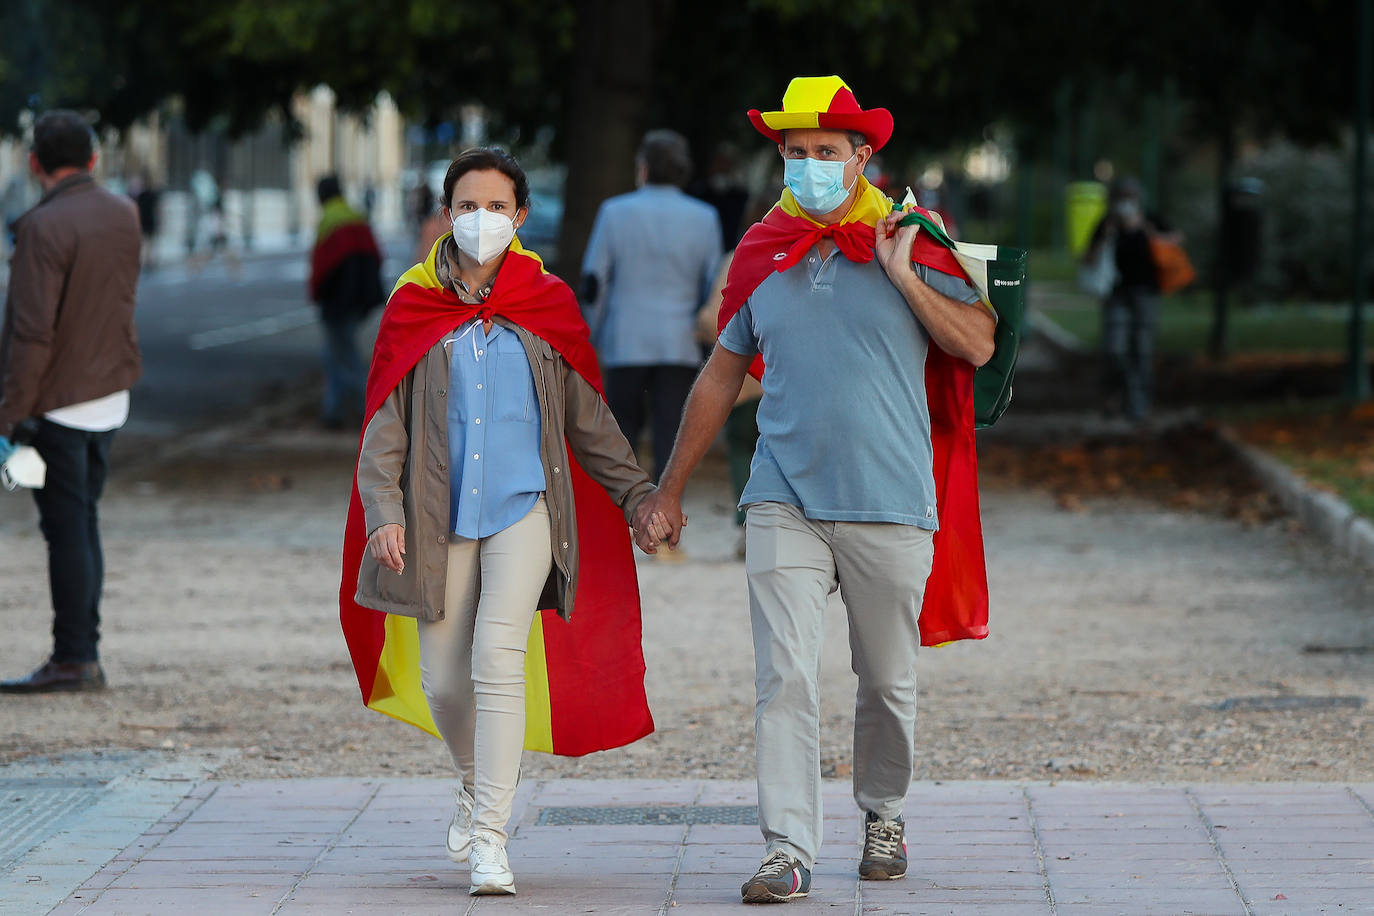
[
  {"x": 780, "y": 878},
  {"x": 460, "y": 828},
  {"x": 884, "y": 855}
]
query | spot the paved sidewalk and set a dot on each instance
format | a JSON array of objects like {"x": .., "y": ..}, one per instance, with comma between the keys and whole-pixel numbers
[{"x": 619, "y": 846}]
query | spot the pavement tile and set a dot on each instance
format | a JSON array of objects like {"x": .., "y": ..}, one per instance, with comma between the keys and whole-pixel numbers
[
  {"x": 382, "y": 900},
  {"x": 961, "y": 897},
  {"x": 400, "y": 880},
  {"x": 965, "y": 908},
  {"x": 1147, "y": 908},
  {"x": 579, "y": 792},
  {"x": 1154, "y": 900},
  {"x": 727, "y": 792},
  {"x": 220, "y": 902}
]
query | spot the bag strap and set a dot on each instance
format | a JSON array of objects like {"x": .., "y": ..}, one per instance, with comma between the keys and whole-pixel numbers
[{"x": 915, "y": 218}]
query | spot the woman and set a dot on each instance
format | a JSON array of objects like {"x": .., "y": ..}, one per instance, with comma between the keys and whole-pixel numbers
[
  {"x": 1130, "y": 311},
  {"x": 482, "y": 382}
]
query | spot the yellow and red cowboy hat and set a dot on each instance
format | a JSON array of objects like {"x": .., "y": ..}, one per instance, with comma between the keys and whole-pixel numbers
[{"x": 826, "y": 102}]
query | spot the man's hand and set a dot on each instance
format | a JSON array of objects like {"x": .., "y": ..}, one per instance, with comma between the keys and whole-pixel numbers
[
  {"x": 892, "y": 246},
  {"x": 388, "y": 546},
  {"x": 7, "y": 449},
  {"x": 653, "y": 521}
]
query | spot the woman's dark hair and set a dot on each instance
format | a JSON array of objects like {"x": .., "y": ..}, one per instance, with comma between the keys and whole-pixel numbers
[
  {"x": 487, "y": 159},
  {"x": 62, "y": 139}
]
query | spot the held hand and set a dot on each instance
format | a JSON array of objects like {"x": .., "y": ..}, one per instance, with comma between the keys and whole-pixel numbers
[
  {"x": 388, "y": 546},
  {"x": 892, "y": 245},
  {"x": 652, "y": 521}
]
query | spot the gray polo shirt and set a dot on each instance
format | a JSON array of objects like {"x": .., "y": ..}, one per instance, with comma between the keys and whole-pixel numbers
[{"x": 844, "y": 428}]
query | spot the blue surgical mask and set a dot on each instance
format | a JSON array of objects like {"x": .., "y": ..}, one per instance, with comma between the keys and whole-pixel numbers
[{"x": 817, "y": 185}]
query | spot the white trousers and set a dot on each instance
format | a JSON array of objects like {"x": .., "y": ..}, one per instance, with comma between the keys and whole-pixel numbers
[
  {"x": 472, "y": 663},
  {"x": 793, "y": 564}
]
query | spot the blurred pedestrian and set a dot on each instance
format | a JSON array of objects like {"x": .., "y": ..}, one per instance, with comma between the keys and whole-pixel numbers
[
  {"x": 865, "y": 336},
  {"x": 648, "y": 266},
  {"x": 433, "y": 226},
  {"x": 741, "y": 426},
  {"x": 723, "y": 188},
  {"x": 483, "y": 389},
  {"x": 345, "y": 282},
  {"x": 1130, "y": 311},
  {"x": 148, "y": 200},
  {"x": 68, "y": 357}
]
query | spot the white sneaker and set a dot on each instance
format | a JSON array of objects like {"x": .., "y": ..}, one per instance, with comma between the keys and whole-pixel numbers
[
  {"x": 491, "y": 872},
  {"x": 460, "y": 828}
]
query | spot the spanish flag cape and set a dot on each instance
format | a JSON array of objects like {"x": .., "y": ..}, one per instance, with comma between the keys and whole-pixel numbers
[
  {"x": 341, "y": 233},
  {"x": 956, "y": 596},
  {"x": 584, "y": 677}
]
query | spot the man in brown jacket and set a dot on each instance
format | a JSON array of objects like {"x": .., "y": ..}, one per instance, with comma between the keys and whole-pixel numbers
[{"x": 68, "y": 357}]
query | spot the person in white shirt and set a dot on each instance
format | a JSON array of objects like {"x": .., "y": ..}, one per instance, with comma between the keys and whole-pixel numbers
[{"x": 68, "y": 357}]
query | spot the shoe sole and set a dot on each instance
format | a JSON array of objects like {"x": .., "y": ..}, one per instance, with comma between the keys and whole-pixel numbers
[
  {"x": 458, "y": 856},
  {"x": 55, "y": 688},
  {"x": 763, "y": 895},
  {"x": 492, "y": 888},
  {"x": 881, "y": 874}
]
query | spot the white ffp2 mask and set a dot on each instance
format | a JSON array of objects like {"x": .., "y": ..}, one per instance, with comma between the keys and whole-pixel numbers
[{"x": 482, "y": 234}]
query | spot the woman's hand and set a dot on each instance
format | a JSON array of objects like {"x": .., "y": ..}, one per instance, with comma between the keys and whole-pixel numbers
[
  {"x": 388, "y": 546},
  {"x": 651, "y": 527}
]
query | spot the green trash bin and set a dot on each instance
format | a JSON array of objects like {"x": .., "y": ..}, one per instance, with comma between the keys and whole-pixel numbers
[{"x": 1084, "y": 204}]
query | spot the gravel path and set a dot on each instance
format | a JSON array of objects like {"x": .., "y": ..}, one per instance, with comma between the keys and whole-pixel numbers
[{"x": 1119, "y": 625}]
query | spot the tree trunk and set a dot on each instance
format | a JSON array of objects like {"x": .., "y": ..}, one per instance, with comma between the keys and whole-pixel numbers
[
  {"x": 1218, "y": 338},
  {"x": 607, "y": 96}
]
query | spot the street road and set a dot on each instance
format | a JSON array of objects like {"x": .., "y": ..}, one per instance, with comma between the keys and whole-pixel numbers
[{"x": 224, "y": 338}]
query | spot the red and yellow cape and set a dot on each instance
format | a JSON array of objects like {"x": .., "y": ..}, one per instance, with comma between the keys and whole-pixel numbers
[
  {"x": 342, "y": 232},
  {"x": 956, "y": 597},
  {"x": 584, "y": 677}
]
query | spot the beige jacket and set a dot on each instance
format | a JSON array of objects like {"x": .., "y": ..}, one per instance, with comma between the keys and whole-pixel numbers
[{"x": 403, "y": 476}]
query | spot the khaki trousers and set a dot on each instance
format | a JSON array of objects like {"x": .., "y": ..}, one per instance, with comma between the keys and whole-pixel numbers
[
  {"x": 793, "y": 564},
  {"x": 472, "y": 663}
]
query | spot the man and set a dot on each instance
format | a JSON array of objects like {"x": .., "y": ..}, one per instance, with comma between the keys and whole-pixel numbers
[
  {"x": 68, "y": 357},
  {"x": 345, "y": 282},
  {"x": 842, "y": 490},
  {"x": 649, "y": 263}
]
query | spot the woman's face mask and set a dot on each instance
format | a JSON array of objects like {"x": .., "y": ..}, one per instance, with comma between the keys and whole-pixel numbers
[
  {"x": 818, "y": 185},
  {"x": 481, "y": 234}
]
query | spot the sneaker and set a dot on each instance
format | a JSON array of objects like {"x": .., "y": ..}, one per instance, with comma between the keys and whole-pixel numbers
[
  {"x": 491, "y": 872},
  {"x": 780, "y": 878},
  {"x": 460, "y": 828},
  {"x": 884, "y": 855}
]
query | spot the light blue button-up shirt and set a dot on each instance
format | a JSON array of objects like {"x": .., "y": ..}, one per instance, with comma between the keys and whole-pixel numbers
[
  {"x": 495, "y": 470},
  {"x": 654, "y": 253}
]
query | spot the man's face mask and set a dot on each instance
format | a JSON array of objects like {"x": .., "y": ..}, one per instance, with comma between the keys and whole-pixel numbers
[
  {"x": 481, "y": 234},
  {"x": 818, "y": 185}
]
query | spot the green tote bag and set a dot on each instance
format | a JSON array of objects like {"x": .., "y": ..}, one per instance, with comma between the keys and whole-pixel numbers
[{"x": 999, "y": 274}]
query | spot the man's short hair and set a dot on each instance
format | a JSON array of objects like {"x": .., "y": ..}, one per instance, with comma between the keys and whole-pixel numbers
[
  {"x": 328, "y": 188},
  {"x": 62, "y": 139},
  {"x": 666, "y": 156}
]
